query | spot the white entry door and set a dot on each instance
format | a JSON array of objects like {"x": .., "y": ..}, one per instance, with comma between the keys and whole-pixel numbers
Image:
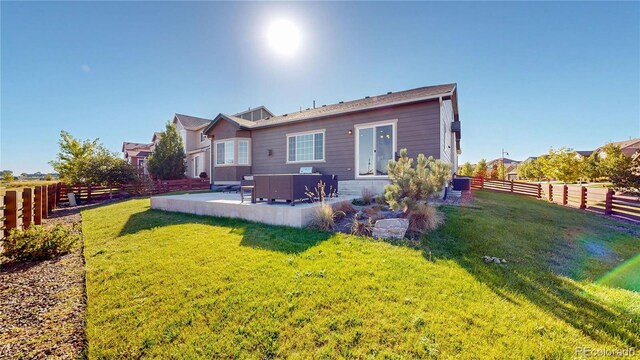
[{"x": 375, "y": 146}]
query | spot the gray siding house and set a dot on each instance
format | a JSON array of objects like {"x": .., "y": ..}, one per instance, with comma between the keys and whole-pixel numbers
[{"x": 351, "y": 139}]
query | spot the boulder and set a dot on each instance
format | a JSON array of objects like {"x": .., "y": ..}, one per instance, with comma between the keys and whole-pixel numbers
[{"x": 390, "y": 228}]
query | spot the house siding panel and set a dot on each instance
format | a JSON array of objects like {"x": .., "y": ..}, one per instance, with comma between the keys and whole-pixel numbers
[
  {"x": 418, "y": 130},
  {"x": 225, "y": 130}
]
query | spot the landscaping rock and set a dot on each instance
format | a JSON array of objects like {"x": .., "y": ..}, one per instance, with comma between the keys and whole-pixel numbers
[
  {"x": 493, "y": 259},
  {"x": 390, "y": 228}
]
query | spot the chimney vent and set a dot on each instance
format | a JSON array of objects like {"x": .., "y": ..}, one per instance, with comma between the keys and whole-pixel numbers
[
  {"x": 389, "y": 92},
  {"x": 341, "y": 102},
  {"x": 366, "y": 97}
]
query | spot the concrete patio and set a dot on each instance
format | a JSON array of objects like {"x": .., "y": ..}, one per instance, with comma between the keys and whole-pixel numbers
[{"x": 229, "y": 205}]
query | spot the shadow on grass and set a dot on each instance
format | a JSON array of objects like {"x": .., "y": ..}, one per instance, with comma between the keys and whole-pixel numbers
[
  {"x": 255, "y": 235},
  {"x": 531, "y": 278}
]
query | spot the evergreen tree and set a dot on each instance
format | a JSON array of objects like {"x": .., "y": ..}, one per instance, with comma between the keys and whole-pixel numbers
[
  {"x": 412, "y": 185},
  {"x": 167, "y": 161}
]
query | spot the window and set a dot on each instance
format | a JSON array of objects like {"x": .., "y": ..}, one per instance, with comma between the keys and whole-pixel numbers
[
  {"x": 233, "y": 152},
  {"x": 224, "y": 153},
  {"x": 196, "y": 166},
  {"x": 307, "y": 147},
  {"x": 140, "y": 162},
  {"x": 203, "y": 137},
  {"x": 243, "y": 152}
]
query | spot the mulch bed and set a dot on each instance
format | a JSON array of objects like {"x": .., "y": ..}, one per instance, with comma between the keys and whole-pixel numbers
[{"x": 43, "y": 303}]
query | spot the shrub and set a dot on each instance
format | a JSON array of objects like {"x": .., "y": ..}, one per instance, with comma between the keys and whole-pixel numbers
[
  {"x": 38, "y": 243},
  {"x": 361, "y": 228},
  {"x": 203, "y": 175},
  {"x": 323, "y": 217},
  {"x": 345, "y": 207},
  {"x": 411, "y": 185},
  {"x": 367, "y": 196},
  {"x": 424, "y": 218},
  {"x": 380, "y": 200},
  {"x": 373, "y": 212}
]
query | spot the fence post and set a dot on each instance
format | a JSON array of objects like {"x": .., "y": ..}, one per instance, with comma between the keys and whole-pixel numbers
[
  {"x": 51, "y": 197},
  {"x": 583, "y": 197},
  {"x": 2, "y": 214},
  {"x": 13, "y": 218},
  {"x": 57, "y": 193},
  {"x": 539, "y": 191},
  {"x": 608, "y": 202},
  {"x": 550, "y": 192},
  {"x": 89, "y": 194},
  {"x": 565, "y": 194},
  {"x": 45, "y": 201},
  {"x": 481, "y": 182},
  {"x": 37, "y": 206},
  {"x": 27, "y": 207},
  {"x": 190, "y": 182},
  {"x": 511, "y": 185}
]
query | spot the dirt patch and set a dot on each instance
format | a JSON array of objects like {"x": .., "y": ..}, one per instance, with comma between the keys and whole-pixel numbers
[{"x": 44, "y": 303}]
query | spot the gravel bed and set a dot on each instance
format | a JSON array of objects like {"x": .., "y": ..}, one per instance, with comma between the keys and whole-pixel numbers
[{"x": 43, "y": 303}]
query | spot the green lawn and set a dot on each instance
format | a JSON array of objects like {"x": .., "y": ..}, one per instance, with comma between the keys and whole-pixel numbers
[{"x": 175, "y": 285}]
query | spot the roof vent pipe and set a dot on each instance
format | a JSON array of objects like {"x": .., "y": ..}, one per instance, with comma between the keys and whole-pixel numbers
[{"x": 314, "y": 104}]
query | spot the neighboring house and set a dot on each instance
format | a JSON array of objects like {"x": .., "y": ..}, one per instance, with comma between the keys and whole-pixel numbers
[
  {"x": 628, "y": 147},
  {"x": 195, "y": 142},
  {"x": 353, "y": 140},
  {"x": 154, "y": 140},
  {"x": 136, "y": 154}
]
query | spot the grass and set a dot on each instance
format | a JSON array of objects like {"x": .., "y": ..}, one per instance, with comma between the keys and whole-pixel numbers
[{"x": 175, "y": 285}]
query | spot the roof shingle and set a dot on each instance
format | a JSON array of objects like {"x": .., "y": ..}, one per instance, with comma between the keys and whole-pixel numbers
[{"x": 192, "y": 122}]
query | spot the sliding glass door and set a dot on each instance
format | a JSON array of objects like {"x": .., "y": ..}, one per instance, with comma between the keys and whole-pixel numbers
[{"x": 375, "y": 146}]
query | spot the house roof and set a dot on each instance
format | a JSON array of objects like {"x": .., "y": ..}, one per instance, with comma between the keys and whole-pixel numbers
[
  {"x": 131, "y": 145},
  {"x": 191, "y": 122},
  {"x": 254, "y": 109},
  {"x": 585, "y": 153},
  {"x": 628, "y": 147},
  {"x": 156, "y": 135},
  {"x": 505, "y": 161},
  {"x": 369, "y": 102}
]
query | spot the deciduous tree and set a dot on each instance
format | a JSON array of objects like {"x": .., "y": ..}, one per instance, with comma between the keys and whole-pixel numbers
[
  {"x": 73, "y": 153},
  {"x": 563, "y": 164},
  {"x": 466, "y": 169},
  {"x": 480, "y": 169}
]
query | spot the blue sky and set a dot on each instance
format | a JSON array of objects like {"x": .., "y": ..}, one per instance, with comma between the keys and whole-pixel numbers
[{"x": 530, "y": 75}]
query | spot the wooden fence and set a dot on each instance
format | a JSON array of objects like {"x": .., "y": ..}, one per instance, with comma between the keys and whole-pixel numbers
[
  {"x": 24, "y": 207},
  {"x": 600, "y": 200}
]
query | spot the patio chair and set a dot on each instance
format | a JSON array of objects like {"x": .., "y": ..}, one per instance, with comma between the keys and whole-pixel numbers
[{"x": 247, "y": 186}]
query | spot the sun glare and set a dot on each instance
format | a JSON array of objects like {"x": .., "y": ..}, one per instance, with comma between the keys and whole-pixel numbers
[{"x": 284, "y": 37}]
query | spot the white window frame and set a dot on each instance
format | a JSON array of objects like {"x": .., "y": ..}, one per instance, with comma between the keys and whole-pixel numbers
[
  {"x": 310, "y": 132},
  {"x": 196, "y": 166},
  {"x": 235, "y": 146},
  {"x": 394, "y": 132},
  {"x": 248, "y": 141}
]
